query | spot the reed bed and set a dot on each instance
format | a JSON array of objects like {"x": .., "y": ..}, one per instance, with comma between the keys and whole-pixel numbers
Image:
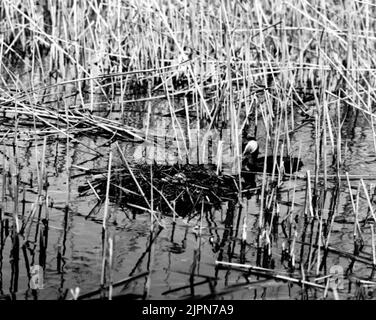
[{"x": 74, "y": 69}]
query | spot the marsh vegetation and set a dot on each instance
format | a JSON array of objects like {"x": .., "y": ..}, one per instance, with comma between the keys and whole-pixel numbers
[{"x": 121, "y": 136}]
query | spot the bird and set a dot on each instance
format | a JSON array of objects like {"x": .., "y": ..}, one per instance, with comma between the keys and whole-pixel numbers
[
  {"x": 252, "y": 163},
  {"x": 250, "y": 152}
]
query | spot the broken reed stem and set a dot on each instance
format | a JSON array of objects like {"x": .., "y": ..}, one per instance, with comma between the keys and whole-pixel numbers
[
  {"x": 353, "y": 206},
  {"x": 104, "y": 224},
  {"x": 317, "y": 162},
  {"x": 324, "y": 146},
  {"x": 107, "y": 200},
  {"x": 373, "y": 244},
  {"x": 133, "y": 177},
  {"x": 42, "y": 186},
  {"x": 368, "y": 200},
  {"x": 139, "y": 187},
  {"x": 308, "y": 195},
  {"x": 319, "y": 244},
  {"x": 110, "y": 265},
  {"x": 238, "y": 24},
  {"x": 269, "y": 273},
  {"x": 264, "y": 179},
  {"x": 339, "y": 157},
  {"x": 150, "y": 262}
]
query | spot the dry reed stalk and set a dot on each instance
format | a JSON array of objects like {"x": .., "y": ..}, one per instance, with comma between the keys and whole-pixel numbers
[
  {"x": 15, "y": 183},
  {"x": 42, "y": 186},
  {"x": 276, "y": 140},
  {"x": 105, "y": 235},
  {"x": 150, "y": 263},
  {"x": 356, "y": 223},
  {"x": 324, "y": 146},
  {"x": 368, "y": 200},
  {"x": 308, "y": 208},
  {"x": 107, "y": 199},
  {"x": 133, "y": 177},
  {"x": 369, "y": 103},
  {"x": 356, "y": 212},
  {"x": 373, "y": 245},
  {"x": 264, "y": 180},
  {"x": 139, "y": 188},
  {"x": 319, "y": 244},
  {"x": 181, "y": 51},
  {"x": 338, "y": 155},
  {"x": 256, "y": 50},
  {"x": 110, "y": 265},
  {"x": 317, "y": 162},
  {"x": 116, "y": 284},
  {"x": 268, "y": 272}
]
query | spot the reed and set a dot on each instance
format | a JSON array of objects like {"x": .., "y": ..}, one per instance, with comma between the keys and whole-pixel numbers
[{"x": 268, "y": 69}]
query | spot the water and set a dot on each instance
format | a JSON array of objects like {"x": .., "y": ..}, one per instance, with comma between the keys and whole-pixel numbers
[{"x": 186, "y": 250}]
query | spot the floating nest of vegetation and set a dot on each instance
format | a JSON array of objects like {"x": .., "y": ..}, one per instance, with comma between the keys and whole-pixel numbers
[{"x": 182, "y": 189}]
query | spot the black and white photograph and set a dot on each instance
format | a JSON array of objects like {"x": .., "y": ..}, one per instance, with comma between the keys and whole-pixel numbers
[{"x": 204, "y": 151}]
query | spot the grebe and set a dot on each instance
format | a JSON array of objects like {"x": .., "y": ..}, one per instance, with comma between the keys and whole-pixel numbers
[{"x": 252, "y": 163}]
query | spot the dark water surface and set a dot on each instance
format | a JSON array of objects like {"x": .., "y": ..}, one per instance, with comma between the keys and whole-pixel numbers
[{"x": 184, "y": 247}]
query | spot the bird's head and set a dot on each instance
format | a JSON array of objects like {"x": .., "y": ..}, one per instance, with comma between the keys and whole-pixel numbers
[{"x": 251, "y": 146}]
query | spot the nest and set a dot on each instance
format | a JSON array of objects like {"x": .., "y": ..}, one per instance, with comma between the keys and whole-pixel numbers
[{"x": 180, "y": 188}]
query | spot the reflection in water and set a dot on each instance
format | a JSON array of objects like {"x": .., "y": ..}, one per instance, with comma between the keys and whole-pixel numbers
[{"x": 181, "y": 258}]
